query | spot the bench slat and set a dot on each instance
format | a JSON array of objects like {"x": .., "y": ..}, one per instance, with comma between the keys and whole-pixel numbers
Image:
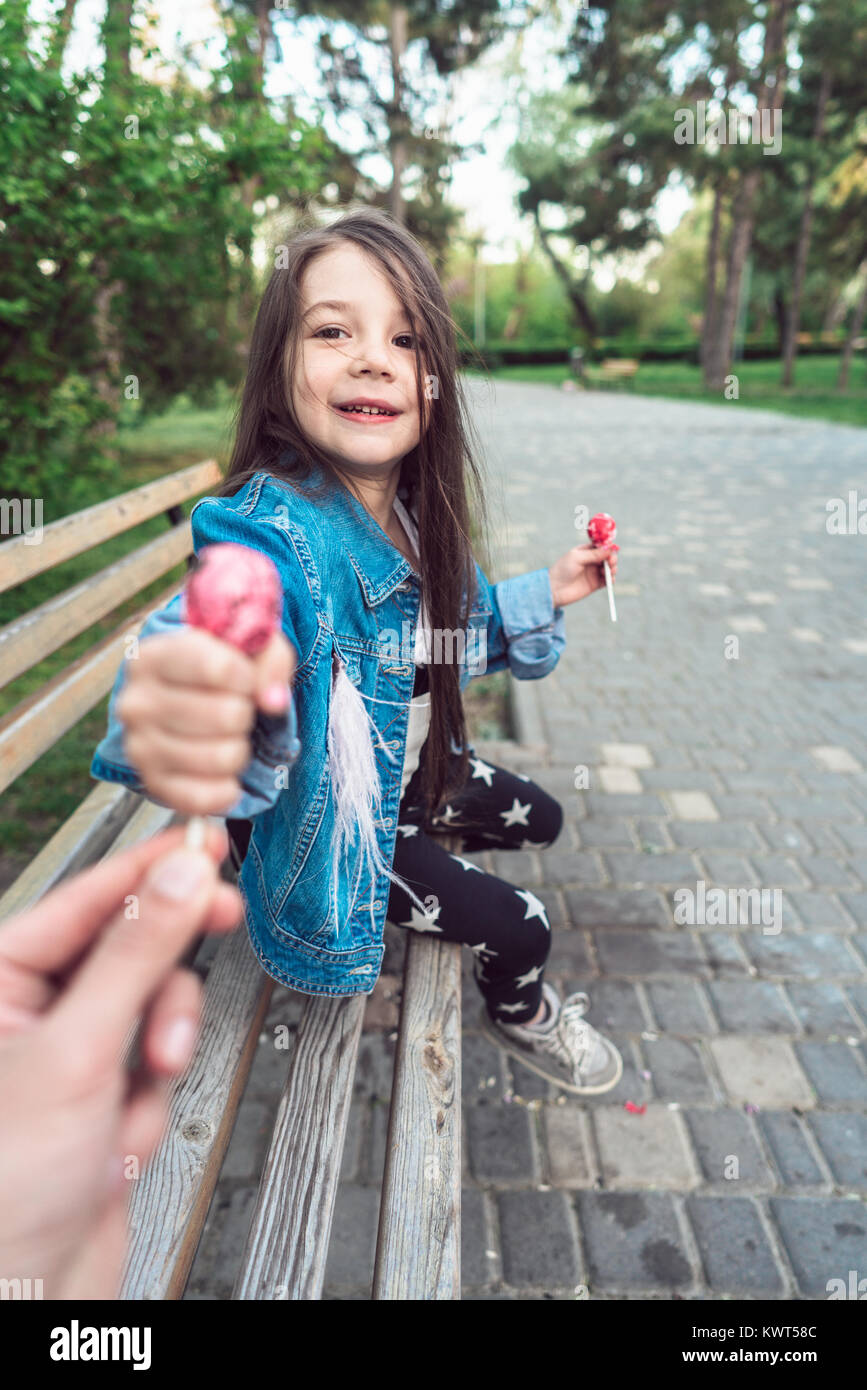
[
  {"x": 170, "y": 1200},
  {"x": 38, "y": 722},
  {"x": 287, "y": 1246},
  {"x": 70, "y": 535},
  {"x": 35, "y": 635},
  {"x": 418, "y": 1243}
]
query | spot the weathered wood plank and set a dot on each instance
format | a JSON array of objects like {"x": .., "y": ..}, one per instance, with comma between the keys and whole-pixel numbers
[
  {"x": 287, "y": 1246},
  {"x": 418, "y": 1249},
  {"x": 70, "y": 535},
  {"x": 38, "y": 722},
  {"x": 35, "y": 635},
  {"x": 147, "y": 820},
  {"x": 170, "y": 1200}
]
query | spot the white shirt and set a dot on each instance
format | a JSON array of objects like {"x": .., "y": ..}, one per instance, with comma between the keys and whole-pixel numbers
[{"x": 419, "y": 709}]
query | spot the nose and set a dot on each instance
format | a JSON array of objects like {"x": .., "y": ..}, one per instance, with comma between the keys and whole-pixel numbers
[{"x": 373, "y": 356}]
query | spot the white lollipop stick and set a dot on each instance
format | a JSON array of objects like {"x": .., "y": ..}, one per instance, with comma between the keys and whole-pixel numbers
[
  {"x": 609, "y": 585},
  {"x": 195, "y": 836}
]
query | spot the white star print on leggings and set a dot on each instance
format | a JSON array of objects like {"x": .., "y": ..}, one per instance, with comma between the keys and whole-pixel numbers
[{"x": 505, "y": 927}]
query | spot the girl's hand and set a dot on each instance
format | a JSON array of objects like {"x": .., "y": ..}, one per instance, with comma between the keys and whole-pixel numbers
[
  {"x": 577, "y": 573},
  {"x": 189, "y": 704}
]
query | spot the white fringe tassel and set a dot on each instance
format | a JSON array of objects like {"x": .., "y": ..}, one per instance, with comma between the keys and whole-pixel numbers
[{"x": 355, "y": 786}]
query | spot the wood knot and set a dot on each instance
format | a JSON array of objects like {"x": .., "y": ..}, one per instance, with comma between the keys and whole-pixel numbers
[
  {"x": 434, "y": 1057},
  {"x": 197, "y": 1131}
]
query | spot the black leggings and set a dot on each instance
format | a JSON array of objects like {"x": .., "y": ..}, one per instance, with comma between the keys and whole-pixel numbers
[{"x": 506, "y": 928}]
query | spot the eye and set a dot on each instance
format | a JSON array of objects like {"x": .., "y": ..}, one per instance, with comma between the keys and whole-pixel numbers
[
  {"x": 330, "y": 329},
  {"x": 406, "y": 335}
]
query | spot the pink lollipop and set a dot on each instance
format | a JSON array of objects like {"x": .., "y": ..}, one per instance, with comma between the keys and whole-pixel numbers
[
  {"x": 234, "y": 593},
  {"x": 602, "y": 529}
]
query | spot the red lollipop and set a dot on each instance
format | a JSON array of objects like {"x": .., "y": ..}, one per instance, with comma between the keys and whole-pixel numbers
[{"x": 602, "y": 529}]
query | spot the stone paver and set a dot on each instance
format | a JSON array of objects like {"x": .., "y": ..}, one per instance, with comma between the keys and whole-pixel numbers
[
  {"x": 723, "y": 724},
  {"x": 650, "y": 1150},
  {"x": 761, "y": 1071}
]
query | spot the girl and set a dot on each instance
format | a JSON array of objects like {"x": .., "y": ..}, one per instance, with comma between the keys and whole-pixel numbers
[{"x": 351, "y": 470}]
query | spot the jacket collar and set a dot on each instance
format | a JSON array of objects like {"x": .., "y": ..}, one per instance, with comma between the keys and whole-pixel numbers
[{"x": 376, "y": 560}]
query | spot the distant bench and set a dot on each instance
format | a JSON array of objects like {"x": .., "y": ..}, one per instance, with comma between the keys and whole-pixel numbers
[
  {"x": 418, "y": 1244},
  {"x": 619, "y": 369}
]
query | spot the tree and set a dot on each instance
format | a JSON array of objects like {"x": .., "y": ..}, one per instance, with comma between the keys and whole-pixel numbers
[
  {"x": 122, "y": 219},
  {"x": 769, "y": 97},
  {"x": 368, "y": 76},
  {"x": 600, "y": 150}
]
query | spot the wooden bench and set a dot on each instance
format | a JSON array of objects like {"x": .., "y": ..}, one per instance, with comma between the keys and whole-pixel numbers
[
  {"x": 418, "y": 1243},
  {"x": 619, "y": 369}
]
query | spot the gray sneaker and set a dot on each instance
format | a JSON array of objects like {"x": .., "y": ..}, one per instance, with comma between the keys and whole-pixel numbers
[{"x": 568, "y": 1052}]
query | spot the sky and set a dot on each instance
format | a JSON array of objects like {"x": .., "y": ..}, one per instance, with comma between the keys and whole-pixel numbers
[{"x": 482, "y": 184}]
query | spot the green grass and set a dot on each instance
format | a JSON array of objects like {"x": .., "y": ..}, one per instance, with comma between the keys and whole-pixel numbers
[{"x": 814, "y": 396}]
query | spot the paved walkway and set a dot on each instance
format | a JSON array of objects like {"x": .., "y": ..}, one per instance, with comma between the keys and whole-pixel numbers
[{"x": 723, "y": 730}]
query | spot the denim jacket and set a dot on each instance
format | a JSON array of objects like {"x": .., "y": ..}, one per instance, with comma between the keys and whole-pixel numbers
[{"x": 347, "y": 590}]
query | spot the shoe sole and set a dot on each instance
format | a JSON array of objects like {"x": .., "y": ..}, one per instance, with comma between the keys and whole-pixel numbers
[{"x": 522, "y": 1057}]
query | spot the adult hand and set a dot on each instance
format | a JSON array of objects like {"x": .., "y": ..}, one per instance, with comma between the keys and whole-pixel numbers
[
  {"x": 580, "y": 571},
  {"x": 77, "y": 971}
]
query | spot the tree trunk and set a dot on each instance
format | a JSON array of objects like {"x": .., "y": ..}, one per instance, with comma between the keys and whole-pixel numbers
[
  {"x": 249, "y": 187},
  {"x": 263, "y": 25},
  {"x": 519, "y": 304},
  {"x": 743, "y": 216},
  {"x": 790, "y": 341},
  {"x": 836, "y": 311},
  {"x": 576, "y": 297},
  {"x": 744, "y": 207},
  {"x": 63, "y": 27},
  {"x": 398, "y": 29},
  {"x": 854, "y": 330},
  {"x": 711, "y": 301},
  {"x": 107, "y": 367},
  {"x": 781, "y": 314}
]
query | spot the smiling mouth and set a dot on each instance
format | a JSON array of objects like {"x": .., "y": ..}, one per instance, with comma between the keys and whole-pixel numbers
[{"x": 366, "y": 414}]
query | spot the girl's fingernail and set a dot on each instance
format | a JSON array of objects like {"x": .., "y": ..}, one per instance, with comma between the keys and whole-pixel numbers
[
  {"x": 179, "y": 1041},
  {"x": 276, "y": 697},
  {"x": 181, "y": 874}
]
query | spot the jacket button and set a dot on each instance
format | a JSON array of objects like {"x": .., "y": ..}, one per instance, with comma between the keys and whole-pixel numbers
[
  {"x": 378, "y": 903},
  {"x": 387, "y": 822}
]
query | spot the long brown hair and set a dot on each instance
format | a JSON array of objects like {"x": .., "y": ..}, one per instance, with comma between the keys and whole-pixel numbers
[{"x": 440, "y": 470}]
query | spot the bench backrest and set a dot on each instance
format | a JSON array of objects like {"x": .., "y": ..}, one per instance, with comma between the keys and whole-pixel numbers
[
  {"x": 169, "y": 1203},
  {"x": 620, "y": 366}
]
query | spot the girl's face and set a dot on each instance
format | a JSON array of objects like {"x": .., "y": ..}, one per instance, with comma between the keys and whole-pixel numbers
[{"x": 356, "y": 347}]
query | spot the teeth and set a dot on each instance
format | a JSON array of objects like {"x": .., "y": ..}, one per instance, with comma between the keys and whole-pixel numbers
[{"x": 365, "y": 410}]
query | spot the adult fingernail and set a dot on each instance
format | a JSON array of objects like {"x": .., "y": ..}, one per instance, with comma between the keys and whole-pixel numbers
[
  {"x": 276, "y": 697},
  {"x": 179, "y": 1041},
  {"x": 180, "y": 874}
]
